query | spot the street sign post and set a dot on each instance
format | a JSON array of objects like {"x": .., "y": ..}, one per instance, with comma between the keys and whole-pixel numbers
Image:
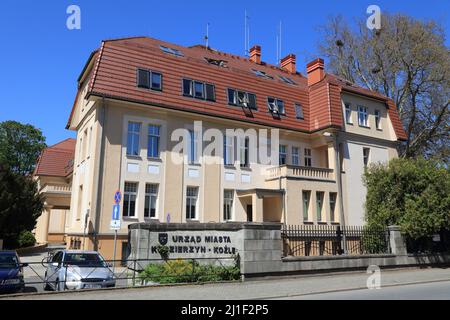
[{"x": 115, "y": 222}]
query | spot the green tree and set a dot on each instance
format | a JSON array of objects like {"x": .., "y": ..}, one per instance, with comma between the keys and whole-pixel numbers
[
  {"x": 20, "y": 146},
  {"x": 20, "y": 205},
  {"x": 406, "y": 60},
  {"x": 414, "y": 194}
]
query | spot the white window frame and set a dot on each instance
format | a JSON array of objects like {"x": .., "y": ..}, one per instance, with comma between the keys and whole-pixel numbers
[
  {"x": 295, "y": 156},
  {"x": 378, "y": 119},
  {"x": 363, "y": 117},
  {"x": 130, "y": 193},
  {"x": 348, "y": 113},
  {"x": 228, "y": 150},
  {"x": 189, "y": 199},
  {"x": 228, "y": 203},
  {"x": 308, "y": 157},
  {"x": 244, "y": 152},
  {"x": 149, "y": 195}
]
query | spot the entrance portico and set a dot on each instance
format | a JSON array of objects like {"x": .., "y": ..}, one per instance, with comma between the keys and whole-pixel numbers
[{"x": 262, "y": 205}]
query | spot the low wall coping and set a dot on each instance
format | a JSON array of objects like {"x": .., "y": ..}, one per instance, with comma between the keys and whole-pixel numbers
[{"x": 339, "y": 257}]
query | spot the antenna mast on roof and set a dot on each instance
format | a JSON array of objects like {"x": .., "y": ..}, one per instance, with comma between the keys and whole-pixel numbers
[
  {"x": 279, "y": 45},
  {"x": 246, "y": 35},
  {"x": 207, "y": 36}
]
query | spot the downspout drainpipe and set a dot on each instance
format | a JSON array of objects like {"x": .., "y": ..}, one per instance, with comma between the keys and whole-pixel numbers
[
  {"x": 339, "y": 183},
  {"x": 100, "y": 175}
]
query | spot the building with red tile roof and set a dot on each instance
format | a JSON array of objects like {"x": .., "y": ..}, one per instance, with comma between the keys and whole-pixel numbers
[{"x": 134, "y": 94}]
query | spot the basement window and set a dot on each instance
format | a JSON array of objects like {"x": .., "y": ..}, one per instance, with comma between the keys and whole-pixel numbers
[
  {"x": 172, "y": 51},
  {"x": 262, "y": 74},
  {"x": 217, "y": 62},
  {"x": 287, "y": 80}
]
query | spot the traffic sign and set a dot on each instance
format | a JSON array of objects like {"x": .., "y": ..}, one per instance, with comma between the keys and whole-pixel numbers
[
  {"x": 117, "y": 197},
  {"x": 115, "y": 225},
  {"x": 116, "y": 212}
]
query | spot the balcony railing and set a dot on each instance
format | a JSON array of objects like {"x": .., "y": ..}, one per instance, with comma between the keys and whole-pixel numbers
[
  {"x": 301, "y": 172},
  {"x": 57, "y": 188}
]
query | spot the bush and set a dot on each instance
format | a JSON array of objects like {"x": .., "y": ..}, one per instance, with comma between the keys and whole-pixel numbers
[
  {"x": 26, "y": 239},
  {"x": 181, "y": 271}
]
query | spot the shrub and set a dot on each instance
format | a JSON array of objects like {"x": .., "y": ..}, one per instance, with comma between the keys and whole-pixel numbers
[
  {"x": 181, "y": 271},
  {"x": 26, "y": 239}
]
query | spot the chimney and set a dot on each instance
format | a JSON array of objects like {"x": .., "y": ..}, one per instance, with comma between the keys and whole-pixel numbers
[
  {"x": 288, "y": 63},
  {"x": 255, "y": 54},
  {"x": 315, "y": 71}
]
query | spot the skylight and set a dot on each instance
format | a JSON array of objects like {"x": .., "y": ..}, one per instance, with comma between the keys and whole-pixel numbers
[
  {"x": 262, "y": 74},
  {"x": 287, "y": 80},
  {"x": 173, "y": 51}
]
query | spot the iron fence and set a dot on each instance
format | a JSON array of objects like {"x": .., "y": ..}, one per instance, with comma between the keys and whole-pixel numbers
[
  {"x": 320, "y": 240},
  {"x": 46, "y": 275},
  {"x": 437, "y": 243}
]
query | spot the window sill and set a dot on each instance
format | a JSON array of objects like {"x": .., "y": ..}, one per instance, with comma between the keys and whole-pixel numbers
[
  {"x": 193, "y": 220},
  {"x": 130, "y": 218},
  {"x": 152, "y": 219},
  {"x": 335, "y": 223},
  {"x": 321, "y": 223},
  {"x": 229, "y": 166},
  {"x": 246, "y": 168},
  {"x": 194, "y": 164},
  {"x": 349, "y": 123},
  {"x": 362, "y": 126},
  {"x": 134, "y": 157},
  {"x": 379, "y": 129},
  {"x": 154, "y": 159}
]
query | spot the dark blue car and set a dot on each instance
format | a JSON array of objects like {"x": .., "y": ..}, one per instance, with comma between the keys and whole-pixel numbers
[{"x": 11, "y": 272}]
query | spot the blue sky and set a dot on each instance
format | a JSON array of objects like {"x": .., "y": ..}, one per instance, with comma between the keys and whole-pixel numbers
[{"x": 41, "y": 59}]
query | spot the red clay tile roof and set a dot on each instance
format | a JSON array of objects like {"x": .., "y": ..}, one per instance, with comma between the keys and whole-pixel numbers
[
  {"x": 56, "y": 160},
  {"x": 114, "y": 76}
]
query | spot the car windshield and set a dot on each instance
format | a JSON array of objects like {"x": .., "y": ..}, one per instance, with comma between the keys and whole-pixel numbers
[
  {"x": 84, "y": 260},
  {"x": 8, "y": 261}
]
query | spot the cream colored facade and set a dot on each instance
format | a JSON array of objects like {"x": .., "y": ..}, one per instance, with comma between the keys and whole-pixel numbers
[{"x": 267, "y": 193}]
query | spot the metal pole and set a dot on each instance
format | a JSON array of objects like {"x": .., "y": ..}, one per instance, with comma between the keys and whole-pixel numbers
[{"x": 114, "y": 252}]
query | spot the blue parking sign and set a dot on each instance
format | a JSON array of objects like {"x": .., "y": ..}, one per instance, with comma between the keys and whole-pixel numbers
[{"x": 116, "y": 212}]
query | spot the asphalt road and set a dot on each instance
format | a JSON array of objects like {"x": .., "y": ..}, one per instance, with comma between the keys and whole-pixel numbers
[{"x": 399, "y": 284}]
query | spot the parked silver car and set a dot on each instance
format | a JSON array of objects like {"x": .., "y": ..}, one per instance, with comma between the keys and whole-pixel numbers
[{"x": 77, "y": 269}]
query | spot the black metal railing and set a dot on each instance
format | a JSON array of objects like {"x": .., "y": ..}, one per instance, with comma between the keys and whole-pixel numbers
[{"x": 321, "y": 240}]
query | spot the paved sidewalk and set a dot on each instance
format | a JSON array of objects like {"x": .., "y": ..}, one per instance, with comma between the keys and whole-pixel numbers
[{"x": 258, "y": 289}]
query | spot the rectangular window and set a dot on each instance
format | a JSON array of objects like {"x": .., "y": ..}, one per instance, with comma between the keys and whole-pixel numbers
[
  {"x": 156, "y": 83},
  {"x": 187, "y": 88},
  {"x": 378, "y": 119},
  {"x": 241, "y": 98},
  {"x": 143, "y": 79},
  {"x": 244, "y": 152},
  {"x": 283, "y": 154},
  {"x": 333, "y": 196},
  {"x": 191, "y": 202},
  {"x": 129, "y": 199},
  {"x": 209, "y": 91},
  {"x": 366, "y": 154},
  {"x": 362, "y": 116},
  {"x": 199, "y": 88},
  {"x": 306, "y": 195},
  {"x": 295, "y": 156},
  {"x": 153, "y": 141},
  {"x": 193, "y": 150},
  {"x": 319, "y": 205},
  {"x": 232, "y": 96},
  {"x": 134, "y": 131},
  {"x": 173, "y": 51},
  {"x": 148, "y": 79},
  {"x": 227, "y": 204},
  {"x": 228, "y": 149},
  {"x": 299, "y": 111},
  {"x": 276, "y": 106},
  {"x": 151, "y": 195},
  {"x": 252, "y": 101},
  {"x": 348, "y": 113},
  {"x": 308, "y": 158}
]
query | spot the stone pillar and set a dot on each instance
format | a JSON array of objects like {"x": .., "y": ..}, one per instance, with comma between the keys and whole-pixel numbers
[
  {"x": 262, "y": 249},
  {"x": 396, "y": 241}
]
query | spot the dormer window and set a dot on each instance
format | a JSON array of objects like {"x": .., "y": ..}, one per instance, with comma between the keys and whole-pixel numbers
[
  {"x": 148, "y": 79},
  {"x": 262, "y": 74},
  {"x": 241, "y": 99},
  {"x": 198, "y": 89},
  {"x": 172, "y": 51},
  {"x": 217, "y": 62},
  {"x": 276, "y": 106}
]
